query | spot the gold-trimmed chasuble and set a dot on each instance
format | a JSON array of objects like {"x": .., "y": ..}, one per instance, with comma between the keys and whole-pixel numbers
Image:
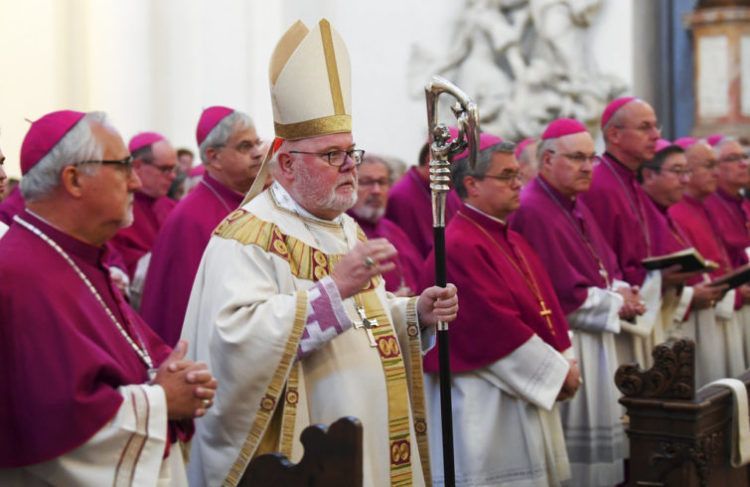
[{"x": 310, "y": 263}]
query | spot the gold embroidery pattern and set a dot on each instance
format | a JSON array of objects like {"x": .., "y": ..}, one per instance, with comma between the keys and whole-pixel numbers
[
  {"x": 273, "y": 393},
  {"x": 305, "y": 262},
  {"x": 419, "y": 410},
  {"x": 125, "y": 470},
  {"x": 309, "y": 263},
  {"x": 398, "y": 389},
  {"x": 290, "y": 412},
  {"x": 331, "y": 66}
]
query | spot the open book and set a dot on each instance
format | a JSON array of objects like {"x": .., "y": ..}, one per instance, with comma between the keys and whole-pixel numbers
[
  {"x": 736, "y": 278},
  {"x": 690, "y": 260}
]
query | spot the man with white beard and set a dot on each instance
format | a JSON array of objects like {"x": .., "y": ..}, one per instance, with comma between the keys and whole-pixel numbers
[
  {"x": 289, "y": 300},
  {"x": 375, "y": 178}
]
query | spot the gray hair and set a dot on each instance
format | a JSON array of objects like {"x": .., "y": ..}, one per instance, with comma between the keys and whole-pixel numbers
[
  {"x": 219, "y": 135},
  {"x": 79, "y": 144},
  {"x": 544, "y": 146},
  {"x": 460, "y": 169},
  {"x": 371, "y": 158},
  {"x": 724, "y": 140}
]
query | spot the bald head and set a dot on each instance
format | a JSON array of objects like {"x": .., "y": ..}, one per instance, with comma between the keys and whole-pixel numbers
[
  {"x": 733, "y": 166},
  {"x": 704, "y": 172}
]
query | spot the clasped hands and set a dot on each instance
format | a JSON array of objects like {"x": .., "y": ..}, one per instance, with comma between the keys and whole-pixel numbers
[{"x": 188, "y": 386}]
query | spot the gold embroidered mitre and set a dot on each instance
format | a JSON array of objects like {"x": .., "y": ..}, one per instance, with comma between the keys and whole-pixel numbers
[{"x": 310, "y": 79}]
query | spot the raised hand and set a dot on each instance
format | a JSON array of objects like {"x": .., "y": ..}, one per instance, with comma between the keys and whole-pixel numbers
[{"x": 362, "y": 263}]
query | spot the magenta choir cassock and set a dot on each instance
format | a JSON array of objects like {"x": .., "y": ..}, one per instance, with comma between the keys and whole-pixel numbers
[
  {"x": 62, "y": 356},
  {"x": 619, "y": 207},
  {"x": 11, "y": 205},
  {"x": 500, "y": 324},
  {"x": 408, "y": 262},
  {"x": 410, "y": 207},
  {"x": 573, "y": 262},
  {"x": 177, "y": 254},
  {"x": 138, "y": 239},
  {"x": 584, "y": 273},
  {"x": 731, "y": 214}
]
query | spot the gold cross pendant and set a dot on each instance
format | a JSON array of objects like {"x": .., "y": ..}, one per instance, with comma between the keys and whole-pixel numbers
[
  {"x": 546, "y": 313},
  {"x": 366, "y": 323}
]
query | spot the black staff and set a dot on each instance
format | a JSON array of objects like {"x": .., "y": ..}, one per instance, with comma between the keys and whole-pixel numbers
[{"x": 441, "y": 149}]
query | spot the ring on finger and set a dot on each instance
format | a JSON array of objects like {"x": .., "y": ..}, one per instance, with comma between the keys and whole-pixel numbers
[
  {"x": 369, "y": 262},
  {"x": 206, "y": 403}
]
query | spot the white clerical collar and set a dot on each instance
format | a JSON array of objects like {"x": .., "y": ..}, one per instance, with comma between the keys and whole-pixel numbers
[
  {"x": 285, "y": 200},
  {"x": 485, "y": 214}
]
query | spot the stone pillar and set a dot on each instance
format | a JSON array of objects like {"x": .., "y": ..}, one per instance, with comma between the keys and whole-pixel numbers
[{"x": 721, "y": 39}]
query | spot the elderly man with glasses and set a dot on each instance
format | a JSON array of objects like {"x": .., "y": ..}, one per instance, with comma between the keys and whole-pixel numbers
[
  {"x": 710, "y": 318},
  {"x": 231, "y": 152},
  {"x": 589, "y": 285},
  {"x": 155, "y": 163},
  {"x": 627, "y": 219},
  {"x": 289, "y": 301},
  {"x": 95, "y": 397},
  {"x": 730, "y": 213}
]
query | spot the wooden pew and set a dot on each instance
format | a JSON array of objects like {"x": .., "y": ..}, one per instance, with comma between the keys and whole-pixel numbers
[
  {"x": 332, "y": 458},
  {"x": 677, "y": 437}
]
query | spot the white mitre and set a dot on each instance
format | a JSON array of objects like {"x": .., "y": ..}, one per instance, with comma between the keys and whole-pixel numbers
[{"x": 310, "y": 78}]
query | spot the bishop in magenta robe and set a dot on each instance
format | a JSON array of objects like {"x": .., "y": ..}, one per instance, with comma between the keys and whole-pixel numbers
[
  {"x": 177, "y": 253},
  {"x": 410, "y": 208},
  {"x": 228, "y": 139},
  {"x": 509, "y": 347},
  {"x": 11, "y": 205},
  {"x": 586, "y": 280},
  {"x": 155, "y": 162}
]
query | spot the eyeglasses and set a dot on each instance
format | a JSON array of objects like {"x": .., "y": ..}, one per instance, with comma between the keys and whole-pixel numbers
[
  {"x": 734, "y": 158},
  {"x": 163, "y": 169},
  {"x": 336, "y": 158},
  {"x": 644, "y": 128},
  {"x": 679, "y": 172},
  {"x": 578, "y": 157},
  {"x": 126, "y": 163},
  {"x": 506, "y": 177},
  {"x": 366, "y": 182},
  {"x": 245, "y": 146},
  {"x": 709, "y": 166}
]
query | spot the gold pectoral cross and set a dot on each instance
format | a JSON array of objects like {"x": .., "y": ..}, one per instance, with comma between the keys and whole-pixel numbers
[
  {"x": 546, "y": 313},
  {"x": 366, "y": 323}
]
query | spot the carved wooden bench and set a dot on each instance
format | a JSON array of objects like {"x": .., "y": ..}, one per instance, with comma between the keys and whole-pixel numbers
[
  {"x": 677, "y": 437},
  {"x": 332, "y": 458}
]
